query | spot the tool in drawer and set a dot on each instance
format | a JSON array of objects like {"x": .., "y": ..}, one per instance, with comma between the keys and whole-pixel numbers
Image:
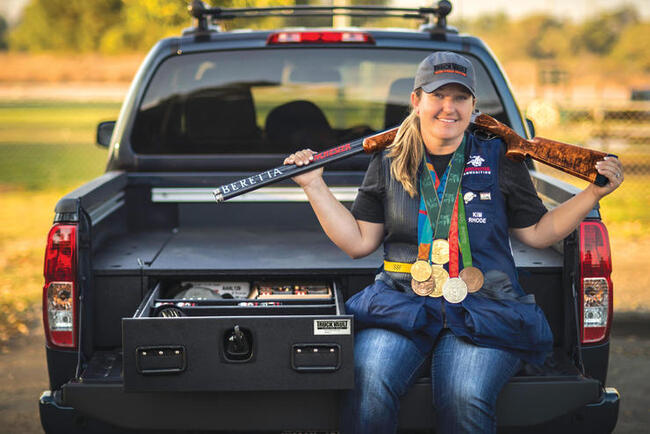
[
  {"x": 266, "y": 290},
  {"x": 214, "y": 290}
]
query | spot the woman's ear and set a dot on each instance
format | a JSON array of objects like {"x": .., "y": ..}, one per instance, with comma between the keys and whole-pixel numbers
[{"x": 415, "y": 101}]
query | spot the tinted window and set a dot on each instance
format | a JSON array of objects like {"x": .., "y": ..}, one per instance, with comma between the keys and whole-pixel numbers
[{"x": 278, "y": 100}]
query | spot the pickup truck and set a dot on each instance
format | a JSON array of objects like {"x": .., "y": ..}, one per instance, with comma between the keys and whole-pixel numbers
[{"x": 166, "y": 311}]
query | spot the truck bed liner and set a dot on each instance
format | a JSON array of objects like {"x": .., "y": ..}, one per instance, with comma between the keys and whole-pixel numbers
[{"x": 233, "y": 250}]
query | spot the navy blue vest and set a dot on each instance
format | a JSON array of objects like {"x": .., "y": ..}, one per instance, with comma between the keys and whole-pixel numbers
[{"x": 500, "y": 315}]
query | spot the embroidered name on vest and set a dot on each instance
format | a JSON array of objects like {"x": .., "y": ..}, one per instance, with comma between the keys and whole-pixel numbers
[
  {"x": 477, "y": 217},
  {"x": 478, "y": 171}
]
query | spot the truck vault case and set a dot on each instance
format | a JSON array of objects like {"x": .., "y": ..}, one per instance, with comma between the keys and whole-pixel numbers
[{"x": 293, "y": 342}]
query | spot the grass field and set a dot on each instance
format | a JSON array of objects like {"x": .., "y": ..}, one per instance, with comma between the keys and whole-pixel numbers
[
  {"x": 47, "y": 149},
  {"x": 51, "y": 145}
]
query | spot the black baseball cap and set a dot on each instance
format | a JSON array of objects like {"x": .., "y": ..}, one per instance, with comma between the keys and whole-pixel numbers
[{"x": 444, "y": 67}]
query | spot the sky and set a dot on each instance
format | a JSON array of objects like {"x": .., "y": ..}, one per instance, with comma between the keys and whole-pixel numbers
[
  {"x": 10, "y": 9},
  {"x": 574, "y": 9}
]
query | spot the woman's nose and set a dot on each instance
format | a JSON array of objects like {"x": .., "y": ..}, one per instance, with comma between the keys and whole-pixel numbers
[{"x": 448, "y": 104}]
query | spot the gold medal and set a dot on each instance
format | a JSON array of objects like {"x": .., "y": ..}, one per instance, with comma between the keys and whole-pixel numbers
[
  {"x": 473, "y": 278},
  {"x": 421, "y": 270},
  {"x": 454, "y": 290},
  {"x": 440, "y": 251},
  {"x": 440, "y": 276},
  {"x": 423, "y": 288}
]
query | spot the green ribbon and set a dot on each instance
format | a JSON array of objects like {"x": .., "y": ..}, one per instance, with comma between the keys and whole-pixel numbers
[
  {"x": 442, "y": 210},
  {"x": 463, "y": 234}
]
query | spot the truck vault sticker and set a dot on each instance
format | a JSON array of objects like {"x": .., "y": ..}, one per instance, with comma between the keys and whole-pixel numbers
[{"x": 331, "y": 326}]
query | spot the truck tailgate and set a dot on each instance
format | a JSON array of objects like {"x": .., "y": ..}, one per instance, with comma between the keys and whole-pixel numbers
[{"x": 525, "y": 401}]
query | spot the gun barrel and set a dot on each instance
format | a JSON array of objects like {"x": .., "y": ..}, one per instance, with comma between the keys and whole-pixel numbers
[{"x": 368, "y": 144}]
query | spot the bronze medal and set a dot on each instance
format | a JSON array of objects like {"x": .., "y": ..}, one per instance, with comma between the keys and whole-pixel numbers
[
  {"x": 440, "y": 251},
  {"x": 423, "y": 288},
  {"x": 454, "y": 290},
  {"x": 473, "y": 278},
  {"x": 420, "y": 270},
  {"x": 440, "y": 276}
]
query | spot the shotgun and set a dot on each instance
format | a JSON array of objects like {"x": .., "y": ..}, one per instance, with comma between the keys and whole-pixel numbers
[
  {"x": 577, "y": 161},
  {"x": 369, "y": 144},
  {"x": 574, "y": 160}
]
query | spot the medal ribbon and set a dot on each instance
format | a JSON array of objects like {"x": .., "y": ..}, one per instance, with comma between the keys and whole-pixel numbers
[
  {"x": 453, "y": 243},
  {"x": 425, "y": 232},
  {"x": 441, "y": 209},
  {"x": 463, "y": 234}
]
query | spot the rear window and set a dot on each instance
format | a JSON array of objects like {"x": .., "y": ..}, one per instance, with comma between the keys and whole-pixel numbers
[{"x": 274, "y": 101}]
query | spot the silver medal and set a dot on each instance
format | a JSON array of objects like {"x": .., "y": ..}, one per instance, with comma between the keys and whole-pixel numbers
[{"x": 454, "y": 290}]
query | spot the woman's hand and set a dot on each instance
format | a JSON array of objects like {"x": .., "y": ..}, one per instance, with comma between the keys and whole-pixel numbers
[
  {"x": 357, "y": 238},
  {"x": 303, "y": 158},
  {"x": 612, "y": 169}
]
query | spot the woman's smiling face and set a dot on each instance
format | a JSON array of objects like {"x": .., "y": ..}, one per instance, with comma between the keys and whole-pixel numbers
[{"x": 444, "y": 114}]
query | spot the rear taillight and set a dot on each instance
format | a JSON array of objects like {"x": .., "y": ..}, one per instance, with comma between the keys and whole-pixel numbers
[
  {"x": 319, "y": 38},
  {"x": 596, "y": 294},
  {"x": 59, "y": 292}
]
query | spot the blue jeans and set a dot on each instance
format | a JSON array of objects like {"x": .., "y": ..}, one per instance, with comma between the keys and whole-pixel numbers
[{"x": 466, "y": 381}]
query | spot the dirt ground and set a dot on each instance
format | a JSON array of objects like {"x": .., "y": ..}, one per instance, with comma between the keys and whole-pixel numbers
[{"x": 23, "y": 377}]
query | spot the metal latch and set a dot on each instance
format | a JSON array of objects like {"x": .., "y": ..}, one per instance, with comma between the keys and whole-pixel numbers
[
  {"x": 316, "y": 357},
  {"x": 160, "y": 359}
]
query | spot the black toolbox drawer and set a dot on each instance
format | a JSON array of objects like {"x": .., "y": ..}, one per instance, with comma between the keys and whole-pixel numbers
[{"x": 239, "y": 345}]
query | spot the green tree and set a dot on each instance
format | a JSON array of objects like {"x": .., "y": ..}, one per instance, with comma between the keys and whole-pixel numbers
[
  {"x": 3, "y": 33},
  {"x": 535, "y": 36},
  {"x": 542, "y": 36},
  {"x": 491, "y": 23},
  {"x": 630, "y": 51},
  {"x": 143, "y": 22},
  {"x": 107, "y": 25},
  {"x": 65, "y": 24},
  {"x": 600, "y": 34}
]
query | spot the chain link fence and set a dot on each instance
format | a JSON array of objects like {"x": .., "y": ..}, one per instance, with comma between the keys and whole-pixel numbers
[{"x": 620, "y": 128}]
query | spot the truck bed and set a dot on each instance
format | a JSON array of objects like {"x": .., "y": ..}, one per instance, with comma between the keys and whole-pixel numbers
[
  {"x": 258, "y": 248},
  {"x": 223, "y": 250}
]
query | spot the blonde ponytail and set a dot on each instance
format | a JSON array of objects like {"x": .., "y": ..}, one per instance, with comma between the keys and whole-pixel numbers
[{"x": 406, "y": 152}]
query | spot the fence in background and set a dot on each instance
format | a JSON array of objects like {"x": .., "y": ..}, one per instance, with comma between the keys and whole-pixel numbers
[{"x": 617, "y": 128}]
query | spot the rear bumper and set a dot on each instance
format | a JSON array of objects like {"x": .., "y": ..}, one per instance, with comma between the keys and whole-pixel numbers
[
  {"x": 109, "y": 409},
  {"x": 59, "y": 419},
  {"x": 594, "y": 418}
]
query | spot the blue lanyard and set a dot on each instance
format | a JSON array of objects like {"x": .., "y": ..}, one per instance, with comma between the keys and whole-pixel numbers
[{"x": 425, "y": 232}]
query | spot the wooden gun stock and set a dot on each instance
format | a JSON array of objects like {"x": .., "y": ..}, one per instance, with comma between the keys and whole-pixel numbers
[
  {"x": 376, "y": 142},
  {"x": 380, "y": 141},
  {"x": 571, "y": 159}
]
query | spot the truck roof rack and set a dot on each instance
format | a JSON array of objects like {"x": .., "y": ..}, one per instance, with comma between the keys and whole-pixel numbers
[{"x": 202, "y": 14}]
